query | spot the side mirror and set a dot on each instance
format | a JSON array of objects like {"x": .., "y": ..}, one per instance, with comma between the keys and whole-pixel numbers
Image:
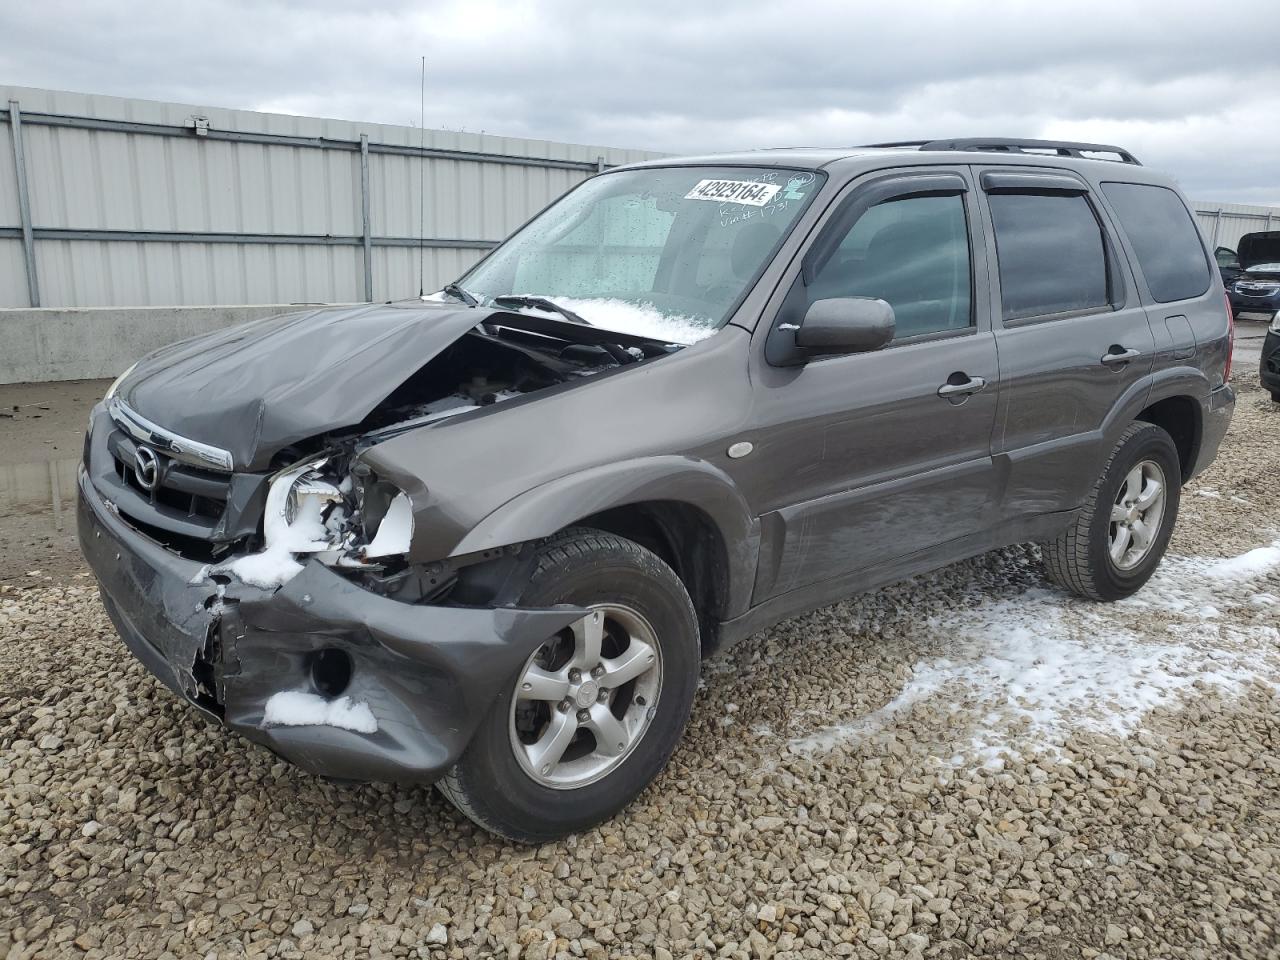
[{"x": 845, "y": 325}]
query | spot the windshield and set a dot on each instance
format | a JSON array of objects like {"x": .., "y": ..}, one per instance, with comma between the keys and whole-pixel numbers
[{"x": 661, "y": 252}]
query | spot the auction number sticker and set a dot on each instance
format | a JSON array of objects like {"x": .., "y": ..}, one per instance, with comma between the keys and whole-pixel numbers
[{"x": 734, "y": 191}]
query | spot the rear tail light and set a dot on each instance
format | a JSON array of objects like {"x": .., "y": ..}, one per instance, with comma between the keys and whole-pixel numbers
[{"x": 1231, "y": 341}]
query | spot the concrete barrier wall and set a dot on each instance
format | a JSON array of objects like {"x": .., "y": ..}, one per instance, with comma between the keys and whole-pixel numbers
[{"x": 89, "y": 343}]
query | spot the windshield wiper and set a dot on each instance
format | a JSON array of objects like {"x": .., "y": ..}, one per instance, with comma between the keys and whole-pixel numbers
[
  {"x": 455, "y": 291},
  {"x": 520, "y": 300}
]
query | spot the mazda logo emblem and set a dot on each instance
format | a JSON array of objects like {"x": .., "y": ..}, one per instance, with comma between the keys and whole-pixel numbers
[{"x": 147, "y": 467}]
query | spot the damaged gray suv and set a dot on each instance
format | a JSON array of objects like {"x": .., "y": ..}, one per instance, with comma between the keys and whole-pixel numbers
[{"x": 484, "y": 539}]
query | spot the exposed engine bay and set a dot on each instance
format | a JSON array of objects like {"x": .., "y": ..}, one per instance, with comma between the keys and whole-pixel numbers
[
  {"x": 491, "y": 364},
  {"x": 325, "y": 502}
]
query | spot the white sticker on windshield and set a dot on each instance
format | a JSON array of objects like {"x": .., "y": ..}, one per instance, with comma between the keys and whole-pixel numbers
[{"x": 734, "y": 191}]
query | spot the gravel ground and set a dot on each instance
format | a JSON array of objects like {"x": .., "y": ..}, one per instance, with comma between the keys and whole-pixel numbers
[{"x": 968, "y": 764}]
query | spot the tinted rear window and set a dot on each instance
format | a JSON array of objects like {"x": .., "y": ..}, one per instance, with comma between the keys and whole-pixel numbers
[
  {"x": 1164, "y": 237},
  {"x": 1052, "y": 259}
]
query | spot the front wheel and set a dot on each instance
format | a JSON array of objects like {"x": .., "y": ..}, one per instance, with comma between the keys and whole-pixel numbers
[
  {"x": 1119, "y": 536},
  {"x": 595, "y": 712},
  {"x": 1275, "y": 396}
]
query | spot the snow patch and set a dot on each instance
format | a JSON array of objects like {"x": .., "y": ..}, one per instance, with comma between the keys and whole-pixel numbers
[
  {"x": 455, "y": 401},
  {"x": 643, "y": 320},
  {"x": 277, "y": 564},
  {"x": 395, "y": 531},
  {"x": 273, "y": 567},
  {"x": 1247, "y": 565},
  {"x": 294, "y": 708},
  {"x": 1031, "y": 670}
]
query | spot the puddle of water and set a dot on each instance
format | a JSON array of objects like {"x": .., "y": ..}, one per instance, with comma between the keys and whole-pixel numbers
[{"x": 42, "y": 486}]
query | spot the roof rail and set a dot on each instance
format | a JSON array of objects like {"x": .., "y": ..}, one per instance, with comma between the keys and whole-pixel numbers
[{"x": 1061, "y": 148}]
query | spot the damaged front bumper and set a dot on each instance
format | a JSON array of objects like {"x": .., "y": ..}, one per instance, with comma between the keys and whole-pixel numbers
[{"x": 427, "y": 674}]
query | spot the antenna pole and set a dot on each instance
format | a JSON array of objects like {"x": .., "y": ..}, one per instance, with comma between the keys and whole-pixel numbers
[{"x": 422, "y": 180}]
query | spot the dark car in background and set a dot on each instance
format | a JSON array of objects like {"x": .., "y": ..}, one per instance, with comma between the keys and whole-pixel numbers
[
  {"x": 485, "y": 540},
  {"x": 1255, "y": 291},
  {"x": 1270, "y": 368}
]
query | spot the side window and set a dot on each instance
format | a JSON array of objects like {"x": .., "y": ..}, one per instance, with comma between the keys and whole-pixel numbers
[
  {"x": 1051, "y": 254},
  {"x": 1164, "y": 237},
  {"x": 912, "y": 253},
  {"x": 1227, "y": 257}
]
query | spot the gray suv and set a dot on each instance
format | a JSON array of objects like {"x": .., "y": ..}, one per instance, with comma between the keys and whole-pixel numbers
[{"x": 484, "y": 538}]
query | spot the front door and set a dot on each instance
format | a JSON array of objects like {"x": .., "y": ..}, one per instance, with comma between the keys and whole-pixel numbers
[{"x": 879, "y": 455}]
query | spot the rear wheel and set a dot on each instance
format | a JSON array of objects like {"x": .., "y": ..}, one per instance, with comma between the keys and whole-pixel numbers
[
  {"x": 594, "y": 713},
  {"x": 1121, "y": 533}
]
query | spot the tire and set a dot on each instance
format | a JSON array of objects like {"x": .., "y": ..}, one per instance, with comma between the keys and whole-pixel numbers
[
  {"x": 1275, "y": 396},
  {"x": 497, "y": 786},
  {"x": 1080, "y": 560}
]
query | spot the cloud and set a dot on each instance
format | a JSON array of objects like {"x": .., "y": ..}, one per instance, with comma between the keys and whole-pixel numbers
[{"x": 1160, "y": 78}]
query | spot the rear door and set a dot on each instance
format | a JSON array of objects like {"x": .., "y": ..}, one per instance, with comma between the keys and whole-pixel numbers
[
  {"x": 1072, "y": 334},
  {"x": 870, "y": 457}
]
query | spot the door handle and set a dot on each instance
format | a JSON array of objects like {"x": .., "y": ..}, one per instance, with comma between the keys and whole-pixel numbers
[
  {"x": 1118, "y": 355},
  {"x": 961, "y": 385}
]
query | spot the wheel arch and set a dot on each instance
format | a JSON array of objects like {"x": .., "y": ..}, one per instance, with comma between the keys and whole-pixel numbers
[
  {"x": 1173, "y": 399},
  {"x": 689, "y": 541},
  {"x": 1181, "y": 417},
  {"x": 686, "y": 510}
]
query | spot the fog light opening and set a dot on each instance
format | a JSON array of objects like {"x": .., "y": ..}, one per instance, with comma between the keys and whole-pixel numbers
[{"x": 330, "y": 672}]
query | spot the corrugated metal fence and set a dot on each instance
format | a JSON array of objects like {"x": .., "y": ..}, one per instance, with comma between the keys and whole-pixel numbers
[
  {"x": 112, "y": 202},
  {"x": 1225, "y": 223}
]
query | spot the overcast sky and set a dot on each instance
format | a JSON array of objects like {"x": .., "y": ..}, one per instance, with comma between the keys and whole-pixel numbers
[{"x": 1181, "y": 85}]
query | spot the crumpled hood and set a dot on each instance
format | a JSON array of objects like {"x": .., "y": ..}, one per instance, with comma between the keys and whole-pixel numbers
[{"x": 259, "y": 387}]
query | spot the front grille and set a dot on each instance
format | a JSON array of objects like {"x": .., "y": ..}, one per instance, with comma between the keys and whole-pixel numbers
[
  {"x": 172, "y": 487},
  {"x": 196, "y": 548},
  {"x": 1257, "y": 289}
]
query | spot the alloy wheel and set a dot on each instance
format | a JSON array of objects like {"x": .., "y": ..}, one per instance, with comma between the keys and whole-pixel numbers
[
  {"x": 1136, "y": 515},
  {"x": 586, "y": 697}
]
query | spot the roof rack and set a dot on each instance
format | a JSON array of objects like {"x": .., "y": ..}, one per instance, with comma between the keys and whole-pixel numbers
[{"x": 1061, "y": 148}]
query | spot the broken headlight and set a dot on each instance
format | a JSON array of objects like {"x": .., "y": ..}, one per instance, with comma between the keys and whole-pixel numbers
[
  {"x": 316, "y": 509},
  {"x": 304, "y": 512},
  {"x": 310, "y": 510}
]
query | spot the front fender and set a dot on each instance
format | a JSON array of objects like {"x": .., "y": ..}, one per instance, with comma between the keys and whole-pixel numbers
[{"x": 557, "y": 504}]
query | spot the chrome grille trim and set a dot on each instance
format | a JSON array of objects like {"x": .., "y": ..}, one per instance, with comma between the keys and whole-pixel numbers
[{"x": 191, "y": 452}]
